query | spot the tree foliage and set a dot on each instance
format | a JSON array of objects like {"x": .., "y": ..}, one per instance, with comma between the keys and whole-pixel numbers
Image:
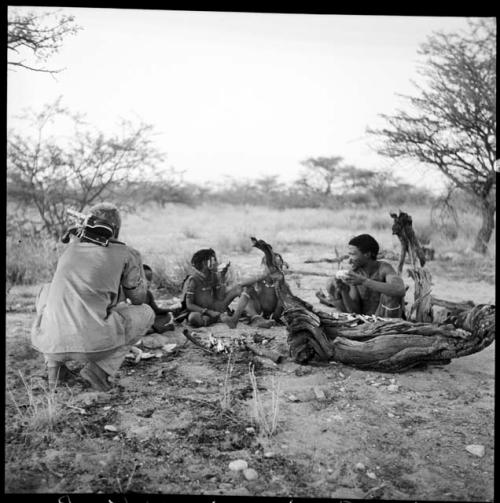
[
  {"x": 451, "y": 122},
  {"x": 32, "y": 35},
  {"x": 79, "y": 170}
]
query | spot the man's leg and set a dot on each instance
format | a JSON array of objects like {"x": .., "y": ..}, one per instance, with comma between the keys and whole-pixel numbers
[{"x": 138, "y": 320}]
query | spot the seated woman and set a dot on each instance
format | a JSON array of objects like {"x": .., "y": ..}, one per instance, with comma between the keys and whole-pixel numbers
[
  {"x": 371, "y": 287},
  {"x": 207, "y": 298}
]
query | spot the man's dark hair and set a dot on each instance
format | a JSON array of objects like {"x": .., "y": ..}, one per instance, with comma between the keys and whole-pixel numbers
[
  {"x": 366, "y": 244},
  {"x": 202, "y": 256}
]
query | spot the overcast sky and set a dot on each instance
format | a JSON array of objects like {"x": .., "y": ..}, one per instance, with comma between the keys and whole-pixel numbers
[{"x": 238, "y": 94}]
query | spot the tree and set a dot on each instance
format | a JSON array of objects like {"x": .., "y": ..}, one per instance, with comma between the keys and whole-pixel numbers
[
  {"x": 38, "y": 35},
  {"x": 320, "y": 174},
  {"x": 452, "y": 125},
  {"x": 77, "y": 171}
]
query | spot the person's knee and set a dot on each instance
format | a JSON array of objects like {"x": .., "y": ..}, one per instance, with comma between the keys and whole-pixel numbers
[
  {"x": 196, "y": 320},
  {"x": 330, "y": 286},
  {"x": 150, "y": 314}
]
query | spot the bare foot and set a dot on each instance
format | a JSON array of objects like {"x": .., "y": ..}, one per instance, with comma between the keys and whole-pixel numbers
[
  {"x": 229, "y": 320},
  {"x": 262, "y": 323}
]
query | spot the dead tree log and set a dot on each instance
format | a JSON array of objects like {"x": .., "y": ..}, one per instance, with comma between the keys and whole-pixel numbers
[
  {"x": 421, "y": 309},
  {"x": 389, "y": 345}
]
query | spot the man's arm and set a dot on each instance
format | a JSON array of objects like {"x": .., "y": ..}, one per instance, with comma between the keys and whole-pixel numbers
[
  {"x": 351, "y": 300},
  {"x": 133, "y": 280},
  {"x": 392, "y": 286},
  {"x": 151, "y": 302}
]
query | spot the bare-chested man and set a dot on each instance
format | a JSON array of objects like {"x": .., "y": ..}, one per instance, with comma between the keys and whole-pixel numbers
[{"x": 372, "y": 286}]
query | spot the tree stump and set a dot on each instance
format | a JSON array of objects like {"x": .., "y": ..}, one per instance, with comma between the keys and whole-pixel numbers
[
  {"x": 421, "y": 309},
  {"x": 369, "y": 342}
]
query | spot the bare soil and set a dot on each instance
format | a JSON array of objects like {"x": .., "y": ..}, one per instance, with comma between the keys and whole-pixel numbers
[{"x": 174, "y": 422}]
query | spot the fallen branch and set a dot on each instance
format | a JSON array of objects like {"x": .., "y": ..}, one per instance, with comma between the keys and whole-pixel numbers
[{"x": 264, "y": 353}]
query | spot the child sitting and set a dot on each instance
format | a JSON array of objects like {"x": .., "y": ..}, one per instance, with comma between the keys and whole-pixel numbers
[
  {"x": 206, "y": 297},
  {"x": 164, "y": 320}
]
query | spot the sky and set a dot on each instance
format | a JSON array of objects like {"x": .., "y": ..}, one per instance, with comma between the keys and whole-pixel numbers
[{"x": 239, "y": 94}]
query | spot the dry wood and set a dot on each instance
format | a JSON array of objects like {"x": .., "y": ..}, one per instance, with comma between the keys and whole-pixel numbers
[
  {"x": 390, "y": 345},
  {"x": 421, "y": 309},
  {"x": 264, "y": 353}
]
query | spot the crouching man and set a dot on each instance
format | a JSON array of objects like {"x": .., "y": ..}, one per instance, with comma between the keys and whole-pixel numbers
[
  {"x": 81, "y": 314},
  {"x": 371, "y": 286}
]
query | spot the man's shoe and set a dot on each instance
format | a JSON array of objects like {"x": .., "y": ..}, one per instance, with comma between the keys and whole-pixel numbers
[
  {"x": 59, "y": 373},
  {"x": 97, "y": 378}
]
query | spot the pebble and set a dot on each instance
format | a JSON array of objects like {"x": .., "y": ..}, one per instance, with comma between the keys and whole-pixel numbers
[
  {"x": 238, "y": 464},
  {"x": 371, "y": 475},
  {"x": 477, "y": 450},
  {"x": 392, "y": 388},
  {"x": 269, "y": 454},
  {"x": 110, "y": 427},
  {"x": 392, "y": 381},
  {"x": 390, "y": 414},
  {"x": 250, "y": 429},
  {"x": 250, "y": 474},
  {"x": 293, "y": 398},
  {"x": 360, "y": 467}
]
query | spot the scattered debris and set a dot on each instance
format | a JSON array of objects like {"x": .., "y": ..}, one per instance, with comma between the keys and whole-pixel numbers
[
  {"x": 360, "y": 467},
  {"x": 293, "y": 398},
  {"x": 250, "y": 474},
  {"x": 169, "y": 348},
  {"x": 319, "y": 393},
  {"x": 269, "y": 454},
  {"x": 238, "y": 464},
  {"x": 371, "y": 475},
  {"x": 476, "y": 449},
  {"x": 392, "y": 388},
  {"x": 110, "y": 427}
]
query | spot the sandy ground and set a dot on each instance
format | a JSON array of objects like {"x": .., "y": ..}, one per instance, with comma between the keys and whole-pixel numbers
[{"x": 176, "y": 421}]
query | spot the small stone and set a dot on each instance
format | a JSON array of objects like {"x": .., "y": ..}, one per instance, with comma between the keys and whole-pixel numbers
[
  {"x": 269, "y": 454},
  {"x": 250, "y": 474},
  {"x": 371, "y": 475},
  {"x": 341, "y": 375},
  {"x": 110, "y": 427},
  {"x": 477, "y": 450},
  {"x": 293, "y": 398},
  {"x": 107, "y": 407},
  {"x": 375, "y": 384},
  {"x": 319, "y": 393},
  {"x": 390, "y": 414},
  {"x": 238, "y": 464},
  {"x": 342, "y": 389},
  {"x": 392, "y": 381},
  {"x": 360, "y": 467},
  {"x": 392, "y": 388},
  {"x": 250, "y": 429}
]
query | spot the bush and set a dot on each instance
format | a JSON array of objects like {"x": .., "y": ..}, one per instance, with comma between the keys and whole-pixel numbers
[{"x": 30, "y": 261}]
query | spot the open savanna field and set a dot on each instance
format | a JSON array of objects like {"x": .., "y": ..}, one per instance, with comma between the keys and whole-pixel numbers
[{"x": 174, "y": 423}]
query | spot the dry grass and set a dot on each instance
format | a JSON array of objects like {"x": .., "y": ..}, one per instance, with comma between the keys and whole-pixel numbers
[
  {"x": 226, "y": 398},
  {"x": 266, "y": 419},
  {"x": 42, "y": 410},
  {"x": 168, "y": 237}
]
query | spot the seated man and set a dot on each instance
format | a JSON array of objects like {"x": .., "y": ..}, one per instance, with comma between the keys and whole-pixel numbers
[
  {"x": 79, "y": 314},
  {"x": 164, "y": 320},
  {"x": 207, "y": 299},
  {"x": 371, "y": 287}
]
